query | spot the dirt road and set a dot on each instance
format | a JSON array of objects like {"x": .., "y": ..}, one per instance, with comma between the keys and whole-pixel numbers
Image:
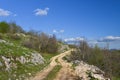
[{"x": 66, "y": 73}]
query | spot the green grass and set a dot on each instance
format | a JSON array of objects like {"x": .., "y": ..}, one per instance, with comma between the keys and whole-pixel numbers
[
  {"x": 14, "y": 49},
  {"x": 21, "y": 72},
  {"x": 53, "y": 73},
  {"x": 56, "y": 60},
  {"x": 23, "y": 69},
  {"x": 48, "y": 56},
  {"x": 11, "y": 49}
]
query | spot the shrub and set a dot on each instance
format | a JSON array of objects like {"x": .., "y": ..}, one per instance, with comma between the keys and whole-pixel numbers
[
  {"x": 1, "y": 36},
  {"x": 52, "y": 46},
  {"x": 42, "y": 42},
  {"x": 14, "y": 28},
  {"x": 28, "y": 44},
  {"x": 4, "y": 27}
]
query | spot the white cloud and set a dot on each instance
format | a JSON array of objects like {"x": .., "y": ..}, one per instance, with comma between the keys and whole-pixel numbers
[
  {"x": 41, "y": 12},
  {"x": 112, "y": 37},
  {"x": 4, "y": 12},
  {"x": 109, "y": 39},
  {"x": 69, "y": 39},
  {"x": 74, "y": 39},
  {"x": 114, "y": 41},
  {"x": 55, "y": 31},
  {"x": 93, "y": 42},
  {"x": 61, "y": 31},
  {"x": 102, "y": 40},
  {"x": 58, "y": 31}
]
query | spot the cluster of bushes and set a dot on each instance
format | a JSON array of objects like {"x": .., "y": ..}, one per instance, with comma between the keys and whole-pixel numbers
[
  {"x": 10, "y": 27},
  {"x": 35, "y": 40},
  {"x": 41, "y": 42},
  {"x": 106, "y": 60}
]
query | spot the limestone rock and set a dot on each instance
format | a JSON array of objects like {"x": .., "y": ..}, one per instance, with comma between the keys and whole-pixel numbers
[
  {"x": 1, "y": 64},
  {"x": 84, "y": 70},
  {"x": 37, "y": 58},
  {"x": 7, "y": 63},
  {"x": 2, "y": 41}
]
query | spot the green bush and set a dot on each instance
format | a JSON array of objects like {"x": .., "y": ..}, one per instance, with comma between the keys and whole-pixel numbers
[
  {"x": 4, "y": 27},
  {"x": 1, "y": 36},
  {"x": 41, "y": 42}
]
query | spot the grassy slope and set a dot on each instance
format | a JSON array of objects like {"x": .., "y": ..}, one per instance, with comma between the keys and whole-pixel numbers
[{"x": 13, "y": 48}]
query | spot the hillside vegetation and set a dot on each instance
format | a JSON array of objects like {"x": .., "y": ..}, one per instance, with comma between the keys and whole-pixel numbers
[
  {"x": 21, "y": 52},
  {"x": 105, "y": 59}
]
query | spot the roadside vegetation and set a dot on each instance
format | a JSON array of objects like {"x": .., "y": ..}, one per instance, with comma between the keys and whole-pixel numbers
[{"x": 107, "y": 60}]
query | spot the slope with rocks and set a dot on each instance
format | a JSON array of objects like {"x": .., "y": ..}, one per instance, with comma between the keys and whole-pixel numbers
[{"x": 16, "y": 61}]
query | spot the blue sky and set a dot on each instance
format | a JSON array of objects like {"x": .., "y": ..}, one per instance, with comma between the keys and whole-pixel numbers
[{"x": 97, "y": 20}]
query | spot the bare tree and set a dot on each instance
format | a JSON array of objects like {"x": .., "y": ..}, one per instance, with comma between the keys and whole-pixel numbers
[{"x": 84, "y": 47}]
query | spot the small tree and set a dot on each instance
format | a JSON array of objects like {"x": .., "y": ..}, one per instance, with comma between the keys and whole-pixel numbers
[
  {"x": 4, "y": 27},
  {"x": 14, "y": 28},
  {"x": 84, "y": 47},
  {"x": 43, "y": 39},
  {"x": 52, "y": 46}
]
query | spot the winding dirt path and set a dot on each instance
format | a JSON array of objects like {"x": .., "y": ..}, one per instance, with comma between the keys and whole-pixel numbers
[{"x": 65, "y": 73}]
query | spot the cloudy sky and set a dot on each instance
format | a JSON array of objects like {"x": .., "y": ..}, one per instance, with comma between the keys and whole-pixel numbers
[{"x": 96, "y": 20}]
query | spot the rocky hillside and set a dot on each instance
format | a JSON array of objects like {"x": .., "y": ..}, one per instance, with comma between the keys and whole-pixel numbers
[{"x": 17, "y": 61}]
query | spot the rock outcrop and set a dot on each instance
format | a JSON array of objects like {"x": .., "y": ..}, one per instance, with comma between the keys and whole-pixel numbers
[
  {"x": 9, "y": 59},
  {"x": 34, "y": 58},
  {"x": 88, "y": 72}
]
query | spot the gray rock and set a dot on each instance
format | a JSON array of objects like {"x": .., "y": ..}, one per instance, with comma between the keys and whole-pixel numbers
[
  {"x": 37, "y": 58},
  {"x": 2, "y": 41},
  {"x": 83, "y": 69},
  {"x": 7, "y": 63},
  {"x": 1, "y": 64},
  {"x": 22, "y": 60}
]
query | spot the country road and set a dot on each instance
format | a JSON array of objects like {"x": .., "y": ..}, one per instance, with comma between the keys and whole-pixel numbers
[{"x": 65, "y": 73}]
